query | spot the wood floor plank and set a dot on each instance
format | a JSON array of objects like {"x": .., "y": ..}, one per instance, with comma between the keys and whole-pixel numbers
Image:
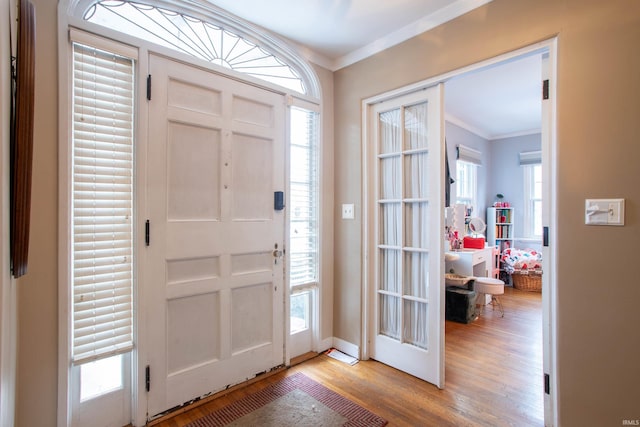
[{"x": 493, "y": 375}]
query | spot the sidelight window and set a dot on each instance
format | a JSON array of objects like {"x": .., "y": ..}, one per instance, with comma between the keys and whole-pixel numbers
[{"x": 304, "y": 220}]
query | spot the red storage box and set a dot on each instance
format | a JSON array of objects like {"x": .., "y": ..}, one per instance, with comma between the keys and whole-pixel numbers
[{"x": 473, "y": 242}]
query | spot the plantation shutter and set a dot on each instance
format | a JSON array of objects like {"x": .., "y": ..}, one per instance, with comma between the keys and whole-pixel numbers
[
  {"x": 102, "y": 203},
  {"x": 303, "y": 203}
]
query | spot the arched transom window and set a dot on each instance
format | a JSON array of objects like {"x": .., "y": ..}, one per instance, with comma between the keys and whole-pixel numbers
[{"x": 197, "y": 37}]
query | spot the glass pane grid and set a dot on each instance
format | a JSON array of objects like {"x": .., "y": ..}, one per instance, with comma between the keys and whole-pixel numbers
[
  {"x": 416, "y": 176},
  {"x": 416, "y": 274},
  {"x": 390, "y": 179},
  {"x": 390, "y": 224},
  {"x": 403, "y": 225},
  {"x": 100, "y": 377},
  {"x": 299, "y": 317},
  {"x": 415, "y": 331},
  {"x": 390, "y": 270},
  {"x": 416, "y": 225},
  {"x": 389, "y": 317},
  {"x": 390, "y": 131},
  {"x": 415, "y": 127}
]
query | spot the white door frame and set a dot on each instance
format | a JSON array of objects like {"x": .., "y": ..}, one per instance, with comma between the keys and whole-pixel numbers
[
  {"x": 425, "y": 363},
  {"x": 550, "y": 219},
  {"x": 139, "y": 354}
]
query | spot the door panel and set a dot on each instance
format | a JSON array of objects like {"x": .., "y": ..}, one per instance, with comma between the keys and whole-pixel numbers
[
  {"x": 252, "y": 178},
  {"x": 214, "y": 292},
  {"x": 193, "y": 173},
  {"x": 409, "y": 201}
]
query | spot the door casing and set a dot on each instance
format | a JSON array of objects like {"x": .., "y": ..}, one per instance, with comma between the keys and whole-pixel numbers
[{"x": 550, "y": 219}]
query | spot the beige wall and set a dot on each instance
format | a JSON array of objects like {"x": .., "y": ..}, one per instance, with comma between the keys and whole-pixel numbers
[
  {"x": 38, "y": 290},
  {"x": 598, "y": 154},
  {"x": 7, "y": 285}
]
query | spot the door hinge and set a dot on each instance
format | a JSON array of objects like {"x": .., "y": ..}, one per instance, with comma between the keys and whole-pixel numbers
[
  {"x": 147, "y": 233},
  {"x": 545, "y": 236},
  {"x": 547, "y": 387},
  {"x": 149, "y": 87},
  {"x": 545, "y": 89},
  {"x": 147, "y": 378}
]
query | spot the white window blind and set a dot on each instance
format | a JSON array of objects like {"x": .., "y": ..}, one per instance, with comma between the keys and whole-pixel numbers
[
  {"x": 102, "y": 203},
  {"x": 530, "y": 158},
  {"x": 304, "y": 197},
  {"x": 469, "y": 155}
]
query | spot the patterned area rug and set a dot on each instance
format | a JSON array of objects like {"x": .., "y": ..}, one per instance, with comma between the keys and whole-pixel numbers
[{"x": 294, "y": 401}]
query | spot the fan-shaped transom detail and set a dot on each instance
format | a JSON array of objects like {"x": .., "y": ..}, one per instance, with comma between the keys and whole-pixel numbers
[{"x": 196, "y": 37}]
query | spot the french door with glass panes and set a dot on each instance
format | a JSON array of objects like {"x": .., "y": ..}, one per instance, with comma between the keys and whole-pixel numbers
[{"x": 407, "y": 252}]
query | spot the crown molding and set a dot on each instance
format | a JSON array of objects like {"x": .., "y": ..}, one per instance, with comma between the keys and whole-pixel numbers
[
  {"x": 466, "y": 126},
  {"x": 417, "y": 27},
  {"x": 516, "y": 134}
]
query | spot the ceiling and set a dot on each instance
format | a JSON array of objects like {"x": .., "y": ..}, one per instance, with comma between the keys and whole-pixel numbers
[
  {"x": 493, "y": 103},
  {"x": 500, "y": 101}
]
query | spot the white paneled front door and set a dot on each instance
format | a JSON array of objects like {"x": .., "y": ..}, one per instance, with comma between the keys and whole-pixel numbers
[
  {"x": 214, "y": 272},
  {"x": 407, "y": 194}
]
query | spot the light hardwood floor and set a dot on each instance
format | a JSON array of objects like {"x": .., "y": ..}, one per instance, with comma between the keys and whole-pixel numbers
[{"x": 493, "y": 375}]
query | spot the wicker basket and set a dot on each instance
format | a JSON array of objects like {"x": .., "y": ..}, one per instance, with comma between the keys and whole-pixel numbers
[{"x": 527, "y": 280}]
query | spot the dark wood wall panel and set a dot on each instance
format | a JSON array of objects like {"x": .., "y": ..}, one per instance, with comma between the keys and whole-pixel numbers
[{"x": 22, "y": 143}]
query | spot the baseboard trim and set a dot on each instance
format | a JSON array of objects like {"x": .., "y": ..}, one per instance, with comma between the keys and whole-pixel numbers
[
  {"x": 347, "y": 347},
  {"x": 325, "y": 344}
]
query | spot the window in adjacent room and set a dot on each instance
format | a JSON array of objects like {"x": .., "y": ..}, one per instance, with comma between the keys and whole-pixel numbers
[
  {"x": 532, "y": 200},
  {"x": 467, "y": 184},
  {"x": 467, "y": 164}
]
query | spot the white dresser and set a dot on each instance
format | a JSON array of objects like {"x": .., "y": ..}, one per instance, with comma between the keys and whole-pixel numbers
[{"x": 471, "y": 262}]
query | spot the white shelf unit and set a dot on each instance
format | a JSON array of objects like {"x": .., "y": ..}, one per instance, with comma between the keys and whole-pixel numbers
[{"x": 500, "y": 228}]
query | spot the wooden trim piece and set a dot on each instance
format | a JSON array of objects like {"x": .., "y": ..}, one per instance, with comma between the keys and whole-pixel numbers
[{"x": 22, "y": 142}]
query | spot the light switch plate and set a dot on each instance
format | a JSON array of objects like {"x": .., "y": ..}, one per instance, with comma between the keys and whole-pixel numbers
[
  {"x": 348, "y": 211},
  {"x": 604, "y": 212}
]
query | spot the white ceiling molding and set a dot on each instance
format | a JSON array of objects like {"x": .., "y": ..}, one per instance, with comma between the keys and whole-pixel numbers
[
  {"x": 464, "y": 125},
  {"x": 515, "y": 134},
  {"x": 479, "y": 132},
  {"x": 310, "y": 55},
  {"x": 426, "y": 23}
]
